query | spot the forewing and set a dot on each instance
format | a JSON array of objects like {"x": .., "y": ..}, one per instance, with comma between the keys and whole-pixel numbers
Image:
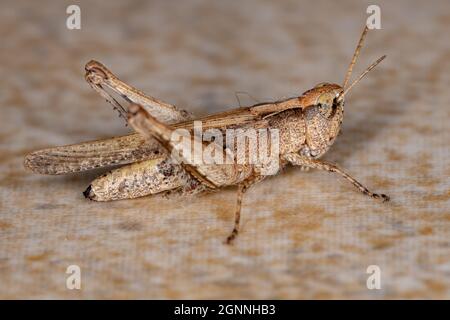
[
  {"x": 242, "y": 116},
  {"x": 133, "y": 147},
  {"x": 93, "y": 154}
]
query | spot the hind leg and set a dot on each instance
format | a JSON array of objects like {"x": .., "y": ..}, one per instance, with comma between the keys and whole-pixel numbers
[
  {"x": 216, "y": 173},
  {"x": 99, "y": 78}
]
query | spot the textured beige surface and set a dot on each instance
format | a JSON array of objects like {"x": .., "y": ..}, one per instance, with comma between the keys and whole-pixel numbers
[{"x": 304, "y": 234}]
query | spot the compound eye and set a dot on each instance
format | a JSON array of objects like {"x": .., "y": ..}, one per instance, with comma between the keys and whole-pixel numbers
[
  {"x": 325, "y": 103},
  {"x": 325, "y": 99}
]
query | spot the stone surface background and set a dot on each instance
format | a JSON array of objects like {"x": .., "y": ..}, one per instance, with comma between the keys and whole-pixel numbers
[{"x": 304, "y": 234}]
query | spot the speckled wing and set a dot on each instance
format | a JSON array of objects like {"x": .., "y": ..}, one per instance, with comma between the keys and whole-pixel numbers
[
  {"x": 133, "y": 147},
  {"x": 243, "y": 115},
  {"x": 93, "y": 154}
]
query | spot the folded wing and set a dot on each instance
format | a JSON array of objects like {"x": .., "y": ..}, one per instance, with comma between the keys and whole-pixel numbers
[
  {"x": 134, "y": 147},
  {"x": 93, "y": 154}
]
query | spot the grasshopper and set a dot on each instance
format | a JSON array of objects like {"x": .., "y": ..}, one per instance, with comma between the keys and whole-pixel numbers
[{"x": 308, "y": 125}]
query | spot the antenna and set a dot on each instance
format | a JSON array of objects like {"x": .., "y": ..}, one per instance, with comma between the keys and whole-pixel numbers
[
  {"x": 355, "y": 56},
  {"x": 373, "y": 65}
]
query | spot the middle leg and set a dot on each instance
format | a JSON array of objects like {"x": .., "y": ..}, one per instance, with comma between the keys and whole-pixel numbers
[{"x": 242, "y": 188}]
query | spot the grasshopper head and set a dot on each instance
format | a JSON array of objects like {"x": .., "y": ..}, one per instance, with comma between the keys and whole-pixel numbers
[
  {"x": 329, "y": 97},
  {"x": 326, "y": 99},
  {"x": 323, "y": 112},
  {"x": 324, "y": 94},
  {"x": 324, "y": 107}
]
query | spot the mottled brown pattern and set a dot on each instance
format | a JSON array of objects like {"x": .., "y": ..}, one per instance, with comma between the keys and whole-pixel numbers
[
  {"x": 303, "y": 235},
  {"x": 137, "y": 180},
  {"x": 94, "y": 154}
]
